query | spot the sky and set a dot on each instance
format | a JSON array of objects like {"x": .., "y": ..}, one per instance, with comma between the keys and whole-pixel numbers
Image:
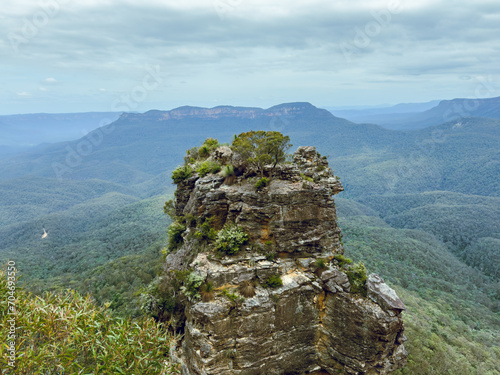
[{"x": 60, "y": 56}]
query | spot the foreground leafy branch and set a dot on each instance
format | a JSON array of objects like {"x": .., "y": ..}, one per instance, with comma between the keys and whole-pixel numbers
[{"x": 68, "y": 334}]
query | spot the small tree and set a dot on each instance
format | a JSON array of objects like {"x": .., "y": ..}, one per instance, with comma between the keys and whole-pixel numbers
[
  {"x": 260, "y": 148},
  {"x": 169, "y": 208}
]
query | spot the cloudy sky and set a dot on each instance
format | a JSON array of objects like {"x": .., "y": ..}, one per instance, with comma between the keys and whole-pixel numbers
[{"x": 120, "y": 55}]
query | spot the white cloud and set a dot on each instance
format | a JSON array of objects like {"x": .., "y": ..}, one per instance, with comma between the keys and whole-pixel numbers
[
  {"x": 50, "y": 81},
  {"x": 260, "y": 45}
]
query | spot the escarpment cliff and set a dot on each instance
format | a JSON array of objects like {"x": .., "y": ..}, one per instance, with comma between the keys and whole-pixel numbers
[{"x": 262, "y": 283}]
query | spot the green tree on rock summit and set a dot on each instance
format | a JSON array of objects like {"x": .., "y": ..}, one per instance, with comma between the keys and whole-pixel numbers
[{"x": 261, "y": 148}]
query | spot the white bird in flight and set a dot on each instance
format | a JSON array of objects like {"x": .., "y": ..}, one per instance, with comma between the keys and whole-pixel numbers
[{"x": 44, "y": 233}]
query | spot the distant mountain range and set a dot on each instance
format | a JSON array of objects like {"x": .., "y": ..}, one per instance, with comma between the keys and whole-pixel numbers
[
  {"x": 137, "y": 148},
  {"x": 422, "y": 115},
  {"x": 21, "y": 131},
  {"x": 382, "y": 109}
]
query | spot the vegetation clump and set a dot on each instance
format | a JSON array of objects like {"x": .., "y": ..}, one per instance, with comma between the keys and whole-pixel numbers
[
  {"x": 233, "y": 297},
  {"x": 228, "y": 170},
  {"x": 181, "y": 173},
  {"x": 155, "y": 299},
  {"x": 355, "y": 272},
  {"x": 191, "y": 286},
  {"x": 273, "y": 281},
  {"x": 342, "y": 260},
  {"x": 164, "y": 298},
  {"x": 207, "y": 167},
  {"x": 230, "y": 239},
  {"x": 205, "y": 232},
  {"x": 357, "y": 278},
  {"x": 306, "y": 178},
  {"x": 229, "y": 175},
  {"x": 269, "y": 251},
  {"x": 196, "y": 160},
  {"x": 175, "y": 238},
  {"x": 208, "y": 146},
  {"x": 169, "y": 208},
  {"x": 231, "y": 353},
  {"x": 201, "y": 153},
  {"x": 261, "y": 183},
  {"x": 321, "y": 265}
]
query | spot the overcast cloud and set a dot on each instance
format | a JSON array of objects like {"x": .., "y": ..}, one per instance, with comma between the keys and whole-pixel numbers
[{"x": 86, "y": 55}]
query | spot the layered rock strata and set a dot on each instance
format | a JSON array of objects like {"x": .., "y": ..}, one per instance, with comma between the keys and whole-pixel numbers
[{"x": 313, "y": 322}]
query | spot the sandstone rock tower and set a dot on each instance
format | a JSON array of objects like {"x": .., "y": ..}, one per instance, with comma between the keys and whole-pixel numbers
[{"x": 287, "y": 301}]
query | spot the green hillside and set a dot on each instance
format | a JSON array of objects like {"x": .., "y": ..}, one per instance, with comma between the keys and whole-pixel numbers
[
  {"x": 82, "y": 238},
  {"x": 452, "y": 322},
  {"x": 468, "y": 224},
  {"x": 29, "y": 197}
]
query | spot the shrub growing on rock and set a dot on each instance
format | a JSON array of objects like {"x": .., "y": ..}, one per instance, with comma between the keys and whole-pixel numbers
[
  {"x": 262, "y": 183},
  {"x": 273, "y": 281},
  {"x": 191, "y": 287},
  {"x": 228, "y": 170},
  {"x": 355, "y": 272},
  {"x": 155, "y": 300},
  {"x": 169, "y": 208},
  {"x": 230, "y": 239},
  {"x": 191, "y": 155},
  {"x": 357, "y": 278},
  {"x": 209, "y": 145},
  {"x": 269, "y": 251},
  {"x": 342, "y": 260},
  {"x": 233, "y": 297},
  {"x": 205, "y": 232},
  {"x": 208, "y": 167},
  {"x": 206, "y": 149},
  {"x": 175, "y": 239},
  {"x": 181, "y": 173},
  {"x": 320, "y": 263},
  {"x": 306, "y": 178},
  {"x": 228, "y": 173}
]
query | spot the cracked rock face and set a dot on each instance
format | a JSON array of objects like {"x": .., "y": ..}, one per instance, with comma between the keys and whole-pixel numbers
[{"x": 311, "y": 323}]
